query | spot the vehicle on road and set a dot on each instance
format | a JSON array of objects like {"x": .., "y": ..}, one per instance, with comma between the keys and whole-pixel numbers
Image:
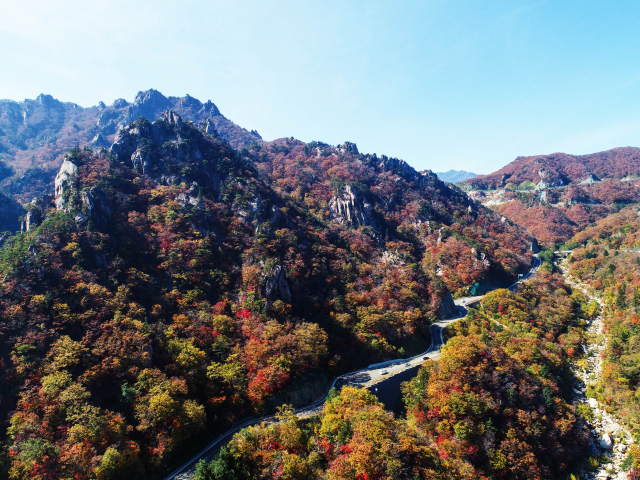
[
  {"x": 408, "y": 364},
  {"x": 384, "y": 372}
]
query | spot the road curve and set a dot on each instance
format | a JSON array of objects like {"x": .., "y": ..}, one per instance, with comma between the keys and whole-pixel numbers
[{"x": 365, "y": 377}]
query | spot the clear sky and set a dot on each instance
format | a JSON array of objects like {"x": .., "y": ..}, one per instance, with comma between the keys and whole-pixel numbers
[{"x": 443, "y": 84}]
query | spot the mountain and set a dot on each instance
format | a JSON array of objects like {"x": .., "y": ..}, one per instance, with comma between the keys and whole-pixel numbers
[
  {"x": 555, "y": 196},
  {"x": 455, "y": 176},
  {"x": 559, "y": 169},
  {"x": 35, "y": 134},
  {"x": 171, "y": 285}
]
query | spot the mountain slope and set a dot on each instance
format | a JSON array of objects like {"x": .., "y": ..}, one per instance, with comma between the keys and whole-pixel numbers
[
  {"x": 558, "y": 169},
  {"x": 173, "y": 284},
  {"x": 555, "y": 196}
]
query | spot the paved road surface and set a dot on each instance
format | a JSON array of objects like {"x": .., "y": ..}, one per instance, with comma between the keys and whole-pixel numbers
[{"x": 367, "y": 377}]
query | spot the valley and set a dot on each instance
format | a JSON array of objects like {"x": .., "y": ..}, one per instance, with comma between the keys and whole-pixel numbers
[
  {"x": 608, "y": 433},
  {"x": 381, "y": 380}
]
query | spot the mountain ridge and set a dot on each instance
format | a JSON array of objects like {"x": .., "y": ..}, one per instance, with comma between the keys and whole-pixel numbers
[
  {"x": 35, "y": 134},
  {"x": 555, "y": 196},
  {"x": 559, "y": 169}
]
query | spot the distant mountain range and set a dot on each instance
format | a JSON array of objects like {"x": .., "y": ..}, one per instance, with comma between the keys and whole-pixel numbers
[{"x": 454, "y": 176}]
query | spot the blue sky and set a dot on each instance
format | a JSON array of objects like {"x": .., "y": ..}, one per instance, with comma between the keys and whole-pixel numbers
[{"x": 443, "y": 84}]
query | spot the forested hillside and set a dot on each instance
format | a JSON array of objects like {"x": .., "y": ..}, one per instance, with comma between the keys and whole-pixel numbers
[
  {"x": 496, "y": 405},
  {"x": 171, "y": 285},
  {"x": 558, "y": 169},
  {"x": 555, "y": 196},
  {"x": 607, "y": 258}
]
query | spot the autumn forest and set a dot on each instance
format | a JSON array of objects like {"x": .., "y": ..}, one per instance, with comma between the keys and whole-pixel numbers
[{"x": 166, "y": 274}]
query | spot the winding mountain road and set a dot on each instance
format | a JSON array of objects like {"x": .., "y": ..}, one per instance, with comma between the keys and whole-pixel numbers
[{"x": 367, "y": 377}]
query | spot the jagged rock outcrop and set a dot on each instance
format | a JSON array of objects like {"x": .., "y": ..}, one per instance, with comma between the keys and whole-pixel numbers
[
  {"x": 48, "y": 101},
  {"x": 146, "y": 104},
  {"x": 88, "y": 205},
  {"x": 170, "y": 152},
  {"x": 96, "y": 207},
  {"x": 276, "y": 284},
  {"x": 480, "y": 259},
  {"x": 36, "y": 212},
  {"x": 120, "y": 103},
  {"x": 67, "y": 171},
  {"x": 127, "y": 144},
  {"x": 172, "y": 119},
  {"x": 31, "y": 219},
  {"x": 348, "y": 147},
  {"x": 399, "y": 167},
  {"x": 349, "y": 207},
  {"x": 99, "y": 141},
  {"x": 189, "y": 198},
  {"x": 210, "y": 128}
]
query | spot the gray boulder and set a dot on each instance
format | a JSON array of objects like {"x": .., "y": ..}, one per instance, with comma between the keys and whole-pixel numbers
[{"x": 606, "y": 442}]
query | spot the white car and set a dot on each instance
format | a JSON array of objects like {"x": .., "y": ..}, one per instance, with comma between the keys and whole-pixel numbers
[{"x": 384, "y": 372}]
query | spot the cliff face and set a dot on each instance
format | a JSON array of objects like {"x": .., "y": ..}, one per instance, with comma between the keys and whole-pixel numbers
[{"x": 350, "y": 208}]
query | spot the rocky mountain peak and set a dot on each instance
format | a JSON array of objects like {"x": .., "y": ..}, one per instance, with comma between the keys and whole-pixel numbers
[
  {"x": 348, "y": 147},
  {"x": 172, "y": 118},
  {"x": 119, "y": 103},
  {"x": 147, "y": 103},
  {"x": 349, "y": 207},
  {"x": 48, "y": 101},
  {"x": 67, "y": 170}
]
